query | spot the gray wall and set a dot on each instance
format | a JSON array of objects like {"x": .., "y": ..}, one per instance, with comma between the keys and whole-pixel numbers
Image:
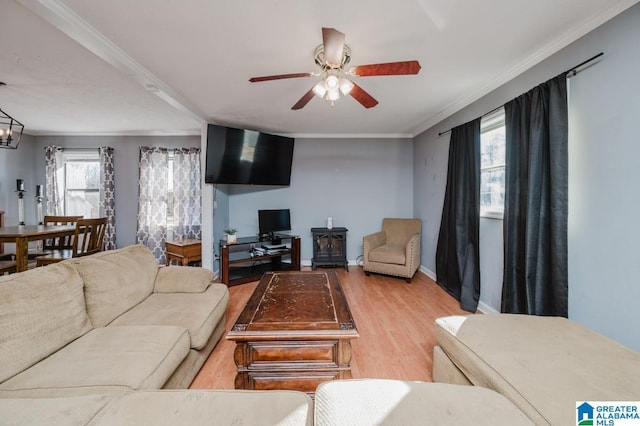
[
  {"x": 357, "y": 182},
  {"x": 604, "y": 183},
  {"x": 604, "y": 195},
  {"x": 126, "y": 154},
  {"x": 18, "y": 164}
]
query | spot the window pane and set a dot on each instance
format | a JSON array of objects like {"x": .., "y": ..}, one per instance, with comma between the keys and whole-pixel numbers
[
  {"x": 492, "y": 164},
  {"x": 492, "y": 145},
  {"x": 492, "y": 189},
  {"x": 83, "y": 175},
  {"x": 83, "y": 203}
]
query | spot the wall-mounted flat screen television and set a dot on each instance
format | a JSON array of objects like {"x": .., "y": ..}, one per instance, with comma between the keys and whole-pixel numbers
[
  {"x": 247, "y": 157},
  {"x": 271, "y": 221}
]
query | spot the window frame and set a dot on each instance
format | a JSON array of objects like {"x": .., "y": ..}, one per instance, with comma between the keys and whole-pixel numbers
[
  {"x": 76, "y": 156},
  {"x": 492, "y": 121}
]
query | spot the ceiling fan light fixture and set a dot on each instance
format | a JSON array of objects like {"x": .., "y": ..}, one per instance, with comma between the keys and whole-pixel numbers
[
  {"x": 346, "y": 86},
  {"x": 332, "y": 82},
  {"x": 333, "y": 95},
  {"x": 319, "y": 89}
]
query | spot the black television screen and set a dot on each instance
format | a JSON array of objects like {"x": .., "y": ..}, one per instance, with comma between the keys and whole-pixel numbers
[
  {"x": 238, "y": 156},
  {"x": 270, "y": 221}
]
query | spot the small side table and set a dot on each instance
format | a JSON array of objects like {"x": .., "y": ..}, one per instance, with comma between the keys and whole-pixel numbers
[{"x": 184, "y": 251}]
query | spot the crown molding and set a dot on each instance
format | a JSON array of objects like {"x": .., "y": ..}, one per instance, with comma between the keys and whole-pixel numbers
[
  {"x": 58, "y": 14},
  {"x": 349, "y": 135},
  {"x": 36, "y": 133}
]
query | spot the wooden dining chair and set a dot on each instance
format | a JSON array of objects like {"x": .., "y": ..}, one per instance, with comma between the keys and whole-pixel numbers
[
  {"x": 87, "y": 239},
  {"x": 58, "y": 243},
  {"x": 7, "y": 260},
  {"x": 7, "y": 266}
]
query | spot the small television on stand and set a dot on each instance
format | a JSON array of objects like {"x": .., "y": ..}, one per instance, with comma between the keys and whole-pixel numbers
[{"x": 270, "y": 222}]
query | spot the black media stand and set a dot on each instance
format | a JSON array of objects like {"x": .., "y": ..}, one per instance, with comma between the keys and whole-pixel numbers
[{"x": 250, "y": 257}]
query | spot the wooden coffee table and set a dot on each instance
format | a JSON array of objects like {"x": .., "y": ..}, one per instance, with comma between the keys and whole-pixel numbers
[{"x": 294, "y": 333}]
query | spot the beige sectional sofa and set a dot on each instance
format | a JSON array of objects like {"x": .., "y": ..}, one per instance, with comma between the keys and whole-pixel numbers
[
  {"x": 114, "y": 321},
  {"x": 101, "y": 339},
  {"x": 543, "y": 365},
  {"x": 106, "y": 340},
  {"x": 337, "y": 403}
]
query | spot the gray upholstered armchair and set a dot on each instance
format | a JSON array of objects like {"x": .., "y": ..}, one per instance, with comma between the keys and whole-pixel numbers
[{"x": 395, "y": 250}]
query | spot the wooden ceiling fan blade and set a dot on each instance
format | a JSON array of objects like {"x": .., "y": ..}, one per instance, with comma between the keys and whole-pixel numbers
[
  {"x": 280, "y": 77},
  {"x": 333, "y": 42},
  {"x": 389, "y": 68},
  {"x": 363, "y": 97},
  {"x": 304, "y": 100}
]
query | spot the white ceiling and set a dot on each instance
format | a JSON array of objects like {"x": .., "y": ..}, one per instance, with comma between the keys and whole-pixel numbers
[{"x": 141, "y": 67}]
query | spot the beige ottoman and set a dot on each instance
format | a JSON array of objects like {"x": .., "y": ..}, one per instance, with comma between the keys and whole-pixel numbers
[
  {"x": 369, "y": 402},
  {"x": 544, "y": 365}
]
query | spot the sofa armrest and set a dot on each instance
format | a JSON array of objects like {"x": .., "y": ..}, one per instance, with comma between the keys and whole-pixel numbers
[{"x": 182, "y": 279}]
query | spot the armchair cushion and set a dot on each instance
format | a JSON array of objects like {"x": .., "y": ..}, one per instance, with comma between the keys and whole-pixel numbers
[{"x": 388, "y": 254}]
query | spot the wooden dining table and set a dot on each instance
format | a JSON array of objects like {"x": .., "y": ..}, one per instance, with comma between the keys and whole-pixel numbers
[{"x": 21, "y": 235}]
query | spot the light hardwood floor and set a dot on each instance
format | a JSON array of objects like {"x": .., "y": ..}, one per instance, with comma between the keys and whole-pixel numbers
[{"x": 395, "y": 321}]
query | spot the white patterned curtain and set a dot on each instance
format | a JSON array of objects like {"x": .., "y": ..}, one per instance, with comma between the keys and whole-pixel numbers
[
  {"x": 186, "y": 193},
  {"x": 53, "y": 163},
  {"x": 152, "y": 200},
  {"x": 107, "y": 196}
]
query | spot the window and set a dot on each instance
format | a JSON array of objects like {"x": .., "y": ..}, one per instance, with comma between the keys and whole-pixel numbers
[
  {"x": 81, "y": 179},
  {"x": 492, "y": 160}
]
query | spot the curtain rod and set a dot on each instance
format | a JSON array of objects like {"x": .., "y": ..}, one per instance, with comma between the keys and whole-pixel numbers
[
  {"x": 77, "y": 149},
  {"x": 569, "y": 73}
]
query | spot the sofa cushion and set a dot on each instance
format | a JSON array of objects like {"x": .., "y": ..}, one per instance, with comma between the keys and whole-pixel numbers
[
  {"x": 41, "y": 310},
  {"x": 388, "y": 254},
  {"x": 199, "y": 313},
  {"x": 116, "y": 280},
  {"x": 207, "y": 407},
  {"x": 68, "y": 411},
  {"x": 104, "y": 360},
  {"x": 542, "y": 364},
  {"x": 182, "y": 279},
  {"x": 396, "y": 402}
]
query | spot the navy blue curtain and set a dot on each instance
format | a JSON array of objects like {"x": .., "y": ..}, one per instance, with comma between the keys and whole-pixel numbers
[
  {"x": 457, "y": 254},
  {"x": 536, "y": 196}
]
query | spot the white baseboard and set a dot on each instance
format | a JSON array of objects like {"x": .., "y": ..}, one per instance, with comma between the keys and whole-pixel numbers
[
  {"x": 428, "y": 272},
  {"x": 482, "y": 307},
  {"x": 486, "y": 309}
]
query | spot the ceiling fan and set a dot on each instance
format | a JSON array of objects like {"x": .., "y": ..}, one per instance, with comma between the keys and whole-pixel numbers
[{"x": 332, "y": 56}]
